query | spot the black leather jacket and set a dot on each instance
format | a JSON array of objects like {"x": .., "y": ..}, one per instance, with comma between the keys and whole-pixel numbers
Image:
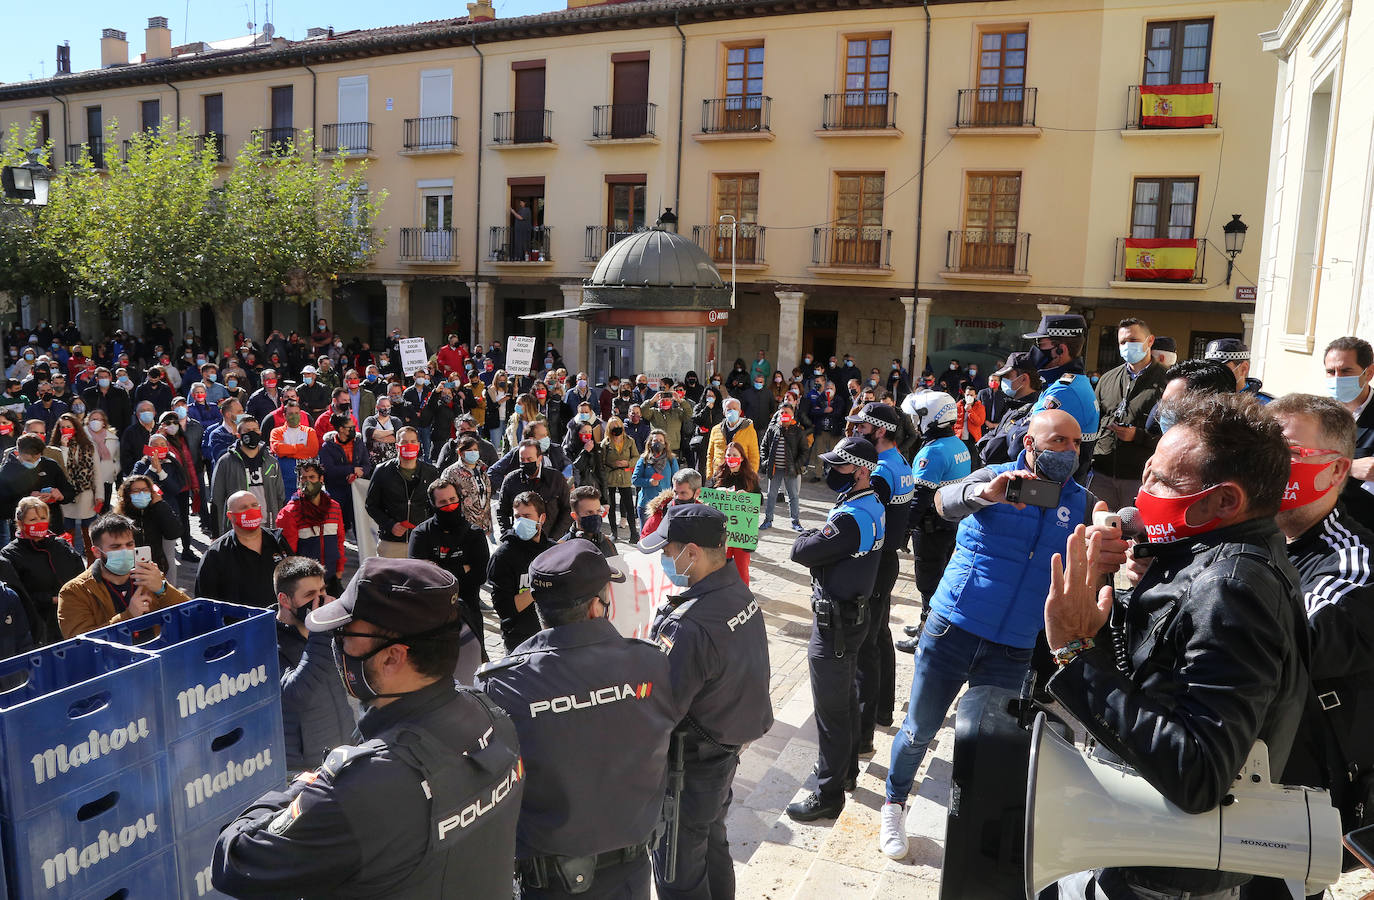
[{"x": 1210, "y": 656}]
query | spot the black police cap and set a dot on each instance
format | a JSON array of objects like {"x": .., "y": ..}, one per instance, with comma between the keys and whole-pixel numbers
[
  {"x": 690, "y": 523},
  {"x": 569, "y": 573},
  {"x": 407, "y": 596}
]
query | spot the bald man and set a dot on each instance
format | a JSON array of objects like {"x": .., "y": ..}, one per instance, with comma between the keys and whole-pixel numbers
[
  {"x": 238, "y": 566},
  {"x": 990, "y": 604}
]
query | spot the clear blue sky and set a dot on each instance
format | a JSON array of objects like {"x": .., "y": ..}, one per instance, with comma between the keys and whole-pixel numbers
[{"x": 30, "y": 49}]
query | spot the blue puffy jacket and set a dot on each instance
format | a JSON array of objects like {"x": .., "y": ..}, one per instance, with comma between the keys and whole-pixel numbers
[{"x": 997, "y": 579}]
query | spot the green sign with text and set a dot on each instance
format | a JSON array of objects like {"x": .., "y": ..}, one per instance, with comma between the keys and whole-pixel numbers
[{"x": 741, "y": 510}]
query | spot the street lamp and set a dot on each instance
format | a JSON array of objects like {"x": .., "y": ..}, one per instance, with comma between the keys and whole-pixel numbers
[
  {"x": 29, "y": 182},
  {"x": 1234, "y": 232},
  {"x": 734, "y": 230}
]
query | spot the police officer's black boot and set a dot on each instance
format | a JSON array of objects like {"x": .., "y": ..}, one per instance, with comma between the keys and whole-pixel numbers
[{"x": 814, "y": 806}]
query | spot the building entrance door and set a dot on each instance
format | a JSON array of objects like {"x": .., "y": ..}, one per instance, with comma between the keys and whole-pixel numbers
[{"x": 613, "y": 353}]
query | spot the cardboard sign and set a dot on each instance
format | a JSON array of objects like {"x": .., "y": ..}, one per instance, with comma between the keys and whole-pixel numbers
[
  {"x": 413, "y": 355},
  {"x": 645, "y": 588},
  {"x": 519, "y": 355},
  {"x": 741, "y": 510}
]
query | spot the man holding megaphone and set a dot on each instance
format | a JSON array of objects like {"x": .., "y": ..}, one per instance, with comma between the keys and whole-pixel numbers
[{"x": 1208, "y": 654}]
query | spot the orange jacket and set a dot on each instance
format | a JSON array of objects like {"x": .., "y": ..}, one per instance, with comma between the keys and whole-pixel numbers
[
  {"x": 977, "y": 415},
  {"x": 309, "y": 450}
]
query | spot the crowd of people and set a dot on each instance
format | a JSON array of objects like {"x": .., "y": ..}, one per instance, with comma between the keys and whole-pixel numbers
[{"x": 459, "y": 477}]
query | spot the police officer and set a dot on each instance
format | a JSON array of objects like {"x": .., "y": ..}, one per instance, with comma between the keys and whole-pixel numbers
[
  {"x": 843, "y": 558},
  {"x": 943, "y": 459},
  {"x": 894, "y": 485},
  {"x": 427, "y": 806},
  {"x": 717, "y": 648},
  {"x": 573, "y": 690},
  {"x": 1236, "y": 356},
  {"x": 1058, "y": 347}
]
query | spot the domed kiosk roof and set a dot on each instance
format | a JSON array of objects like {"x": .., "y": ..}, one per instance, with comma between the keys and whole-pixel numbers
[{"x": 656, "y": 269}]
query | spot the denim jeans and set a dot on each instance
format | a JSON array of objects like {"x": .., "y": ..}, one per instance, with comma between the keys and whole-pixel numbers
[
  {"x": 770, "y": 494},
  {"x": 946, "y": 658}
]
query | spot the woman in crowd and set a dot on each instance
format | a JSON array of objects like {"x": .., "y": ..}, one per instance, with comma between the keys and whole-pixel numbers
[
  {"x": 618, "y": 453},
  {"x": 779, "y": 387},
  {"x": 500, "y": 406},
  {"x": 77, "y": 454},
  {"x": 105, "y": 446},
  {"x": 469, "y": 475},
  {"x": 43, "y": 563},
  {"x": 155, "y": 522},
  {"x": 379, "y": 433},
  {"x": 738, "y": 380},
  {"x": 526, "y": 411},
  {"x": 189, "y": 499},
  {"x": 588, "y": 467},
  {"x": 736, "y": 474},
  {"x": 969, "y": 420},
  {"x": 654, "y": 471},
  {"x": 344, "y": 460},
  {"x": 159, "y": 464},
  {"x": 508, "y": 570},
  {"x": 586, "y": 415}
]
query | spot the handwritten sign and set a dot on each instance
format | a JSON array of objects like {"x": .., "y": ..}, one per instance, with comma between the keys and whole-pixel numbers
[
  {"x": 413, "y": 355},
  {"x": 741, "y": 510},
  {"x": 519, "y": 354},
  {"x": 645, "y": 588}
]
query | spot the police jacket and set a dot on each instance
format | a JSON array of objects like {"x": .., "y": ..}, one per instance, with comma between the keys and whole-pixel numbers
[
  {"x": 572, "y": 692},
  {"x": 392, "y": 498},
  {"x": 314, "y": 706},
  {"x": 365, "y": 825},
  {"x": 717, "y": 649},
  {"x": 508, "y": 576},
  {"x": 1333, "y": 563},
  {"x": 895, "y": 486},
  {"x": 944, "y": 460},
  {"x": 1003, "y": 443},
  {"x": 1212, "y": 647},
  {"x": 997, "y": 579},
  {"x": 843, "y": 556}
]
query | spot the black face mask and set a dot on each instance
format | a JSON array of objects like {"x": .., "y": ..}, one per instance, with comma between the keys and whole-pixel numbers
[
  {"x": 617, "y": 431},
  {"x": 250, "y": 439},
  {"x": 301, "y": 612},
  {"x": 589, "y": 524},
  {"x": 1042, "y": 359},
  {"x": 449, "y": 519},
  {"x": 352, "y": 670},
  {"x": 837, "y": 482},
  {"x": 530, "y": 469}
]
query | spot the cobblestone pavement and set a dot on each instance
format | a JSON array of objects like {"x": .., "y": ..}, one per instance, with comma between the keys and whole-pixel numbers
[{"x": 776, "y": 858}]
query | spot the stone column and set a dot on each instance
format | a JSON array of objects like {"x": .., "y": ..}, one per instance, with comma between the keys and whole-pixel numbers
[
  {"x": 1052, "y": 309},
  {"x": 482, "y": 307},
  {"x": 128, "y": 319},
  {"x": 574, "y": 332},
  {"x": 791, "y": 307},
  {"x": 252, "y": 320},
  {"x": 1247, "y": 323},
  {"x": 397, "y": 305},
  {"x": 323, "y": 308},
  {"x": 908, "y": 323},
  {"x": 920, "y": 334},
  {"x": 88, "y": 320}
]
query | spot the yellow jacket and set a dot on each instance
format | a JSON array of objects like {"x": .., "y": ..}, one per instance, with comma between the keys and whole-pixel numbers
[{"x": 745, "y": 436}]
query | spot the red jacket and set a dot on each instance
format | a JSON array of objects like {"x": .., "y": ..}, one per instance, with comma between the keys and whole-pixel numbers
[
  {"x": 323, "y": 542},
  {"x": 976, "y": 417},
  {"x": 451, "y": 359}
]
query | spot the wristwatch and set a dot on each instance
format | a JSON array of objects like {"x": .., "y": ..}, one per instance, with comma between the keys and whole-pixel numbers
[
  {"x": 161, "y": 590},
  {"x": 1065, "y": 654}
]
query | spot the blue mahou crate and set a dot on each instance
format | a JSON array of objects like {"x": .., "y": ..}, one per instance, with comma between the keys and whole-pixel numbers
[
  {"x": 154, "y": 878},
  {"x": 81, "y": 710},
  {"x": 194, "y": 854},
  {"x": 218, "y": 659},
  {"x": 90, "y": 835},
  {"x": 226, "y": 767}
]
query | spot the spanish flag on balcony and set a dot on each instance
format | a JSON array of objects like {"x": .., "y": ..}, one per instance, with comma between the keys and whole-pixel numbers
[
  {"x": 1177, "y": 105},
  {"x": 1160, "y": 259}
]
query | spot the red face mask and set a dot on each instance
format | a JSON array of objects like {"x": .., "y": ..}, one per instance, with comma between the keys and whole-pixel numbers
[
  {"x": 353, "y": 384},
  {"x": 408, "y": 451},
  {"x": 450, "y": 507},
  {"x": 6, "y": 428},
  {"x": 665, "y": 404},
  {"x": 1301, "y": 488},
  {"x": 67, "y": 432},
  {"x": 269, "y": 382},
  {"x": 159, "y": 452},
  {"x": 35, "y": 532},
  {"x": 786, "y": 420},
  {"x": 248, "y": 520},
  {"x": 540, "y": 395},
  {"x": 734, "y": 461},
  {"x": 1166, "y": 518}
]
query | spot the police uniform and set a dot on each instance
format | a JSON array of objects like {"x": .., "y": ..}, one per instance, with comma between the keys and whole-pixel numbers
[
  {"x": 1233, "y": 350},
  {"x": 717, "y": 648},
  {"x": 425, "y": 807},
  {"x": 1067, "y": 387},
  {"x": 843, "y": 558},
  {"x": 894, "y": 486},
  {"x": 594, "y": 712}
]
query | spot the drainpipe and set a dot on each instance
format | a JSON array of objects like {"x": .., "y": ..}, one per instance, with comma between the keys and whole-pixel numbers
[
  {"x": 177, "y": 90},
  {"x": 477, "y": 203},
  {"x": 920, "y": 193},
  {"x": 66, "y": 133},
  {"x": 681, "y": 92},
  {"x": 314, "y": 83}
]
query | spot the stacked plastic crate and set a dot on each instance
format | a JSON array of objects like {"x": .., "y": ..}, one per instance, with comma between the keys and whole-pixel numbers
[
  {"x": 86, "y": 803},
  {"x": 220, "y": 696}
]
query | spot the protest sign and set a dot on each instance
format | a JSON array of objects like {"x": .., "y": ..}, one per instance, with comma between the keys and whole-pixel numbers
[
  {"x": 741, "y": 510},
  {"x": 519, "y": 355},
  {"x": 413, "y": 355},
  {"x": 645, "y": 588}
]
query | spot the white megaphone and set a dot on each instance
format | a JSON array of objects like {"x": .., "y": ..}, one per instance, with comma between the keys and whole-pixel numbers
[{"x": 1084, "y": 813}]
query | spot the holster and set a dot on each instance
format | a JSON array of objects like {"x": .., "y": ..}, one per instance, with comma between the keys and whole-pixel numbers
[{"x": 838, "y": 615}]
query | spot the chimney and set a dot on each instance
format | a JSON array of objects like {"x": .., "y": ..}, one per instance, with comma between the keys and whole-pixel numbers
[
  {"x": 114, "y": 48},
  {"x": 315, "y": 33},
  {"x": 481, "y": 11},
  {"x": 157, "y": 40},
  {"x": 64, "y": 59}
]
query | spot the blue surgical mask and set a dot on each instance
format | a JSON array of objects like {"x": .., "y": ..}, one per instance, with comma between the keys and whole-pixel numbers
[
  {"x": 103, "y": 382},
  {"x": 526, "y": 529},
  {"x": 669, "y": 564},
  {"x": 1344, "y": 388},
  {"x": 1055, "y": 465},
  {"x": 1007, "y": 387},
  {"x": 1133, "y": 352},
  {"x": 543, "y": 443},
  {"x": 27, "y": 464},
  {"x": 732, "y": 416},
  {"x": 231, "y": 382},
  {"x": 146, "y": 417},
  {"x": 211, "y": 377},
  {"x": 584, "y": 417},
  {"x": 120, "y": 562},
  {"x": 180, "y": 411},
  {"x": 471, "y": 456},
  {"x": 372, "y": 377},
  {"x": 141, "y": 499},
  {"x": 1167, "y": 420}
]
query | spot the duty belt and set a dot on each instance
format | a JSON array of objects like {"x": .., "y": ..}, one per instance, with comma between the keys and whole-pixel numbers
[{"x": 573, "y": 873}]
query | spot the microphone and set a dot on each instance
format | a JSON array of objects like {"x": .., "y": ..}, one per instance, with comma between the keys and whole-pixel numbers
[{"x": 1133, "y": 528}]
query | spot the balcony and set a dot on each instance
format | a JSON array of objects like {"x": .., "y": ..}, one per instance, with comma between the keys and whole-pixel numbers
[
  {"x": 95, "y": 147},
  {"x": 1008, "y": 111},
  {"x": 431, "y": 134},
  {"x": 736, "y": 118},
  {"x": 275, "y": 141},
  {"x": 429, "y": 245},
  {"x": 983, "y": 255},
  {"x": 598, "y": 240},
  {"x": 1155, "y": 110},
  {"x": 859, "y": 114},
  {"x": 851, "y": 250},
  {"x": 217, "y": 144},
  {"x": 1165, "y": 263},
  {"x": 508, "y": 246},
  {"x": 748, "y": 244},
  {"x": 633, "y": 122},
  {"x": 523, "y": 128},
  {"x": 346, "y": 138}
]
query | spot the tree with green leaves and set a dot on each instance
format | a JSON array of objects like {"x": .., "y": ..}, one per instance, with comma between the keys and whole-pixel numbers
[{"x": 25, "y": 266}]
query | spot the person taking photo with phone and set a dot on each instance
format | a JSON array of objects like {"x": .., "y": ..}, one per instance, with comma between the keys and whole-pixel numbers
[{"x": 118, "y": 586}]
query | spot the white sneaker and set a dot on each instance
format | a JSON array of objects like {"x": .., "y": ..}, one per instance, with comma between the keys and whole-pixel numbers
[{"x": 892, "y": 839}]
